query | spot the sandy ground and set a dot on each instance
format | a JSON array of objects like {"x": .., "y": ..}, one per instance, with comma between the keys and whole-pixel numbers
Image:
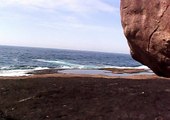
[{"x": 84, "y": 97}]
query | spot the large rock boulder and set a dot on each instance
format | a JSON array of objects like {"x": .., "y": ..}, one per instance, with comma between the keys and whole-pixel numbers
[{"x": 146, "y": 25}]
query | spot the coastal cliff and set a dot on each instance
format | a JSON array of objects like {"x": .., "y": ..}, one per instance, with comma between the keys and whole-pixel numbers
[{"x": 147, "y": 28}]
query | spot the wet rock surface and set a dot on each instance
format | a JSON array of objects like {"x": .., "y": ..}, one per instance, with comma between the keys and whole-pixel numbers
[
  {"x": 147, "y": 28},
  {"x": 84, "y": 98}
]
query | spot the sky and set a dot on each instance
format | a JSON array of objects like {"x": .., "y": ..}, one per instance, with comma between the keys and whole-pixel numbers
[{"x": 92, "y": 25}]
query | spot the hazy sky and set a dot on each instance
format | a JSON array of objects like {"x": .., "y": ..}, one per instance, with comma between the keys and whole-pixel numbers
[{"x": 68, "y": 24}]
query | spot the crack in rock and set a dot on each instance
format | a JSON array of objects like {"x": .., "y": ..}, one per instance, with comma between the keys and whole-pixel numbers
[{"x": 150, "y": 37}]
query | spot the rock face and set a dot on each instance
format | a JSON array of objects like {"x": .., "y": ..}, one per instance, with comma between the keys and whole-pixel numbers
[{"x": 146, "y": 25}]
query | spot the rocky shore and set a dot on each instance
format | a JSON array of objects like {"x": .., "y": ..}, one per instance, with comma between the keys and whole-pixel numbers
[{"x": 80, "y": 97}]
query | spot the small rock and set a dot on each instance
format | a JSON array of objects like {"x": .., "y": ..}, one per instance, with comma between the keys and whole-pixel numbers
[
  {"x": 64, "y": 105},
  {"x": 159, "y": 118},
  {"x": 167, "y": 90}
]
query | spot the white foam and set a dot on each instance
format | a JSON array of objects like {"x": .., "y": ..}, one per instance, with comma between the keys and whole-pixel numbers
[
  {"x": 67, "y": 65},
  {"x": 50, "y": 61},
  {"x": 40, "y": 68},
  {"x": 12, "y": 73},
  {"x": 142, "y": 67},
  {"x": 63, "y": 64},
  {"x": 4, "y": 67},
  {"x": 139, "y": 67}
]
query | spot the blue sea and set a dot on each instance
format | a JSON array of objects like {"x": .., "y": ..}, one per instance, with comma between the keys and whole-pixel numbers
[{"x": 18, "y": 61}]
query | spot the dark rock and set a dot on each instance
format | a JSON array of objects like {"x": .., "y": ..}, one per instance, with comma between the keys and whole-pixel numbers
[{"x": 4, "y": 117}]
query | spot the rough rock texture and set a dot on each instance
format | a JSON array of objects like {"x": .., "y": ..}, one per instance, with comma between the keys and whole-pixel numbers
[{"x": 146, "y": 25}]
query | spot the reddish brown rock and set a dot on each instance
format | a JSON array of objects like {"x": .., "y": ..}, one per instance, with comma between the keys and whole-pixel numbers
[{"x": 146, "y": 25}]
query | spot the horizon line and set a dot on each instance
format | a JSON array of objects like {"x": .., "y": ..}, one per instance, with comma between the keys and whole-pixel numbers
[{"x": 82, "y": 50}]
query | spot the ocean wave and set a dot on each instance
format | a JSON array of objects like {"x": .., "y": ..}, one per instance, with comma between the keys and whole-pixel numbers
[
  {"x": 5, "y": 68},
  {"x": 138, "y": 67},
  {"x": 41, "y": 68},
  {"x": 5, "y": 73},
  {"x": 19, "y": 72},
  {"x": 68, "y": 65},
  {"x": 16, "y": 67}
]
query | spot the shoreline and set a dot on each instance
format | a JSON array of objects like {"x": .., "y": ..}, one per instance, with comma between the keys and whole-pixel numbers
[
  {"x": 95, "y": 73},
  {"x": 62, "y": 75},
  {"x": 116, "y": 71}
]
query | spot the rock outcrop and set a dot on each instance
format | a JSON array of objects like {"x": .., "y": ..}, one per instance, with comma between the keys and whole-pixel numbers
[{"x": 146, "y": 25}]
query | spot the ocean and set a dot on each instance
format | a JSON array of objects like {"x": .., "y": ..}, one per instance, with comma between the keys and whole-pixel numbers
[{"x": 18, "y": 61}]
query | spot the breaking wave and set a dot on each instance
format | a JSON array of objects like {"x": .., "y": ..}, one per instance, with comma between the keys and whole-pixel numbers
[
  {"x": 10, "y": 71},
  {"x": 68, "y": 65}
]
